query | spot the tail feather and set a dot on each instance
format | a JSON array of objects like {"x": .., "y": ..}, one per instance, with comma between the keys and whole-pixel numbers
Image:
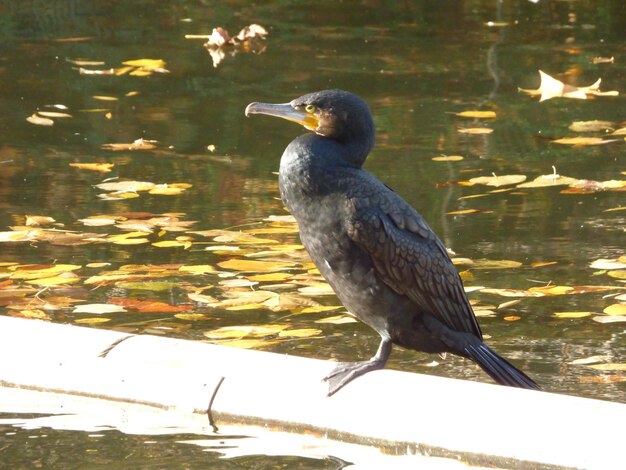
[{"x": 500, "y": 370}]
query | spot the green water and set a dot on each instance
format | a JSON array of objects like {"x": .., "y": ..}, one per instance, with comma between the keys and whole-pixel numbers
[{"x": 416, "y": 63}]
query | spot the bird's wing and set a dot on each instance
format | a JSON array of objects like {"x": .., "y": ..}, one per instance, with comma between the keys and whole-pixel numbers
[{"x": 410, "y": 258}]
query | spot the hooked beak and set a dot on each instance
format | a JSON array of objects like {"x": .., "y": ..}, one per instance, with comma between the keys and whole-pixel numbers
[{"x": 285, "y": 111}]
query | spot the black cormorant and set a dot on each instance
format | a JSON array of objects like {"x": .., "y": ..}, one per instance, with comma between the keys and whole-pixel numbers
[{"x": 376, "y": 251}]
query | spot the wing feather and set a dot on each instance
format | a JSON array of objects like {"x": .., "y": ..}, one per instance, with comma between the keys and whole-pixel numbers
[{"x": 411, "y": 260}]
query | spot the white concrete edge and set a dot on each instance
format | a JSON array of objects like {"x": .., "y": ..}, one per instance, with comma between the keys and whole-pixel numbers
[{"x": 482, "y": 423}]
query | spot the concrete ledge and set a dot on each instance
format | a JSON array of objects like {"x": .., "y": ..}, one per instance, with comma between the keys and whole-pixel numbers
[{"x": 403, "y": 412}]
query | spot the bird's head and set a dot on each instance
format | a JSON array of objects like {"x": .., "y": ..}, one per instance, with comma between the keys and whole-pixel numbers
[{"x": 335, "y": 114}]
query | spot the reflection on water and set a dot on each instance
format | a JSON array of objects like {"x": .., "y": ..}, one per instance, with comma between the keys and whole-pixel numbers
[{"x": 417, "y": 63}]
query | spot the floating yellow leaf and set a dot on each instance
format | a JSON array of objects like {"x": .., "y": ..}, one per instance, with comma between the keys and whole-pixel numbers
[
  {"x": 320, "y": 308},
  {"x": 621, "y": 274},
  {"x": 477, "y": 114},
  {"x": 589, "y": 360},
  {"x": 495, "y": 264},
  {"x": 154, "y": 286},
  {"x": 540, "y": 264},
  {"x": 130, "y": 241},
  {"x": 611, "y": 366},
  {"x": 91, "y": 321},
  {"x": 256, "y": 331},
  {"x": 615, "y": 309},
  {"x": 610, "y": 318},
  {"x": 238, "y": 283},
  {"x": 40, "y": 121},
  {"x": 547, "y": 181},
  {"x": 269, "y": 277},
  {"x": 202, "y": 298},
  {"x": 511, "y": 292},
  {"x": 552, "y": 290},
  {"x": 38, "y": 220},
  {"x": 105, "y": 98},
  {"x": 172, "y": 244},
  {"x": 507, "y": 304},
  {"x": 166, "y": 190},
  {"x": 299, "y": 333},
  {"x": 117, "y": 196},
  {"x": 271, "y": 230},
  {"x": 319, "y": 288},
  {"x": 191, "y": 316},
  {"x": 133, "y": 186},
  {"x": 35, "y": 314},
  {"x": 469, "y": 211},
  {"x": 475, "y": 130},
  {"x": 98, "y": 221},
  {"x": 122, "y": 70},
  {"x": 447, "y": 158},
  {"x": 248, "y": 343},
  {"x": 145, "y": 63},
  {"x": 54, "y": 114},
  {"x": 197, "y": 269},
  {"x": 245, "y": 307},
  {"x": 255, "y": 266},
  {"x": 496, "y": 180},
  {"x": 582, "y": 141},
  {"x": 139, "y": 144},
  {"x": 337, "y": 320},
  {"x": 572, "y": 314},
  {"x": 604, "y": 263},
  {"x": 32, "y": 272},
  {"x": 101, "y": 167},
  {"x": 512, "y": 318},
  {"x": 591, "y": 126},
  {"x": 99, "y": 309},
  {"x": 63, "y": 278},
  {"x": 18, "y": 235}
]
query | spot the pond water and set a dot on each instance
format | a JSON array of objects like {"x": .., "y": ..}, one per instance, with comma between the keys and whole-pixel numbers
[{"x": 417, "y": 64}]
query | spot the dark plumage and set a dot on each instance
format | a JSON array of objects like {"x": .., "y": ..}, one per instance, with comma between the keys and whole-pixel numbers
[{"x": 378, "y": 254}]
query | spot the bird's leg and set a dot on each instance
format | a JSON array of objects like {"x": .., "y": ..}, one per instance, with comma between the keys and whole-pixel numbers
[{"x": 348, "y": 371}]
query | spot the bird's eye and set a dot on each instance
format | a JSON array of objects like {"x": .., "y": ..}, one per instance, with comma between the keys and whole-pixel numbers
[{"x": 310, "y": 108}]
